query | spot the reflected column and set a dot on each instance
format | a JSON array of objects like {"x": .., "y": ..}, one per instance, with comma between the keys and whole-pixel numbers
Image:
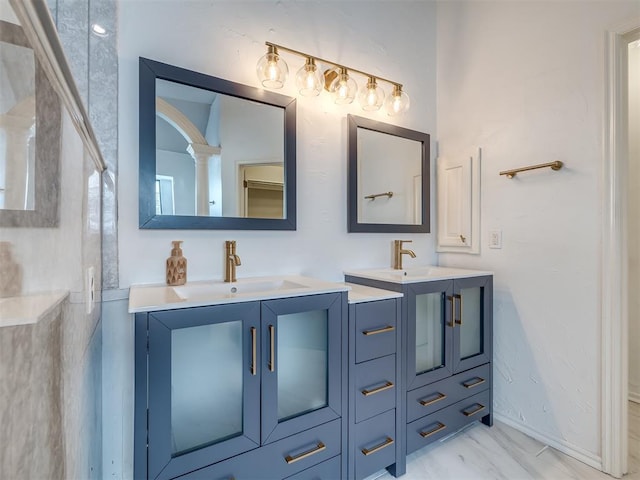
[
  {"x": 19, "y": 130},
  {"x": 201, "y": 155}
]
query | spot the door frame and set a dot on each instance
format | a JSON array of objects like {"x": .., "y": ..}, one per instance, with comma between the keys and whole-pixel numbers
[{"x": 615, "y": 348}]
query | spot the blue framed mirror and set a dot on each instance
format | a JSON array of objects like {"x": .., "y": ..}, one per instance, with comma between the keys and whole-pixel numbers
[
  {"x": 388, "y": 178},
  {"x": 214, "y": 154}
]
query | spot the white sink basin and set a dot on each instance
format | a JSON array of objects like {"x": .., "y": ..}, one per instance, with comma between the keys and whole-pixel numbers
[
  {"x": 415, "y": 274},
  {"x": 241, "y": 287},
  {"x": 146, "y": 298}
]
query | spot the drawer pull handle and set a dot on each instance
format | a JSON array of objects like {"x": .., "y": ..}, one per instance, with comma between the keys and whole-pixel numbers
[
  {"x": 253, "y": 351},
  {"x": 452, "y": 299},
  {"x": 377, "y": 448},
  {"x": 474, "y": 382},
  {"x": 272, "y": 345},
  {"x": 426, "y": 403},
  {"x": 317, "y": 449},
  {"x": 438, "y": 428},
  {"x": 384, "y": 387},
  {"x": 459, "y": 321},
  {"x": 388, "y": 328},
  {"x": 479, "y": 408}
]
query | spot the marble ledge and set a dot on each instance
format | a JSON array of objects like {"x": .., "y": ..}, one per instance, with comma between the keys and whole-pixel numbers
[
  {"x": 29, "y": 309},
  {"x": 363, "y": 293}
]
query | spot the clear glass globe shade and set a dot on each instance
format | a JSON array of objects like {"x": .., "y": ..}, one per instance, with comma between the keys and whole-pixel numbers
[
  {"x": 272, "y": 70},
  {"x": 397, "y": 103},
  {"x": 371, "y": 97},
  {"x": 344, "y": 89},
  {"x": 309, "y": 81}
]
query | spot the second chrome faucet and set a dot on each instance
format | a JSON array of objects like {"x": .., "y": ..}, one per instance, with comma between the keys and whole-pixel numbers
[
  {"x": 232, "y": 260},
  {"x": 398, "y": 251}
]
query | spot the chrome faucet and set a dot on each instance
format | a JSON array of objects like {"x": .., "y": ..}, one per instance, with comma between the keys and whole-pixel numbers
[
  {"x": 398, "y": 251},
  {"x": 232, "y": 260}
]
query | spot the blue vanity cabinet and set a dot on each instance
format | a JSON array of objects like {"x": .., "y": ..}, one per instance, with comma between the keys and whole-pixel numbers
[
  {"x": 243, "y": 390},
  {"x": 447, "y": 353},
  {"x": 302, "y": 364},
  {"x": 375, "y": 427},
  {"x": 444, "y": 337}
]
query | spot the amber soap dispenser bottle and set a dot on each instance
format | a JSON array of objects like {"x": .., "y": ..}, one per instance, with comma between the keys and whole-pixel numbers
[{"x": 176, "y": 266}]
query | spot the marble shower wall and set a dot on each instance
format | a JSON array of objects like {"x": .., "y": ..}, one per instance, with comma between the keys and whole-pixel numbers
[
  {"x": 50, "y": 371},
  {"x": 94, "y": 64}
]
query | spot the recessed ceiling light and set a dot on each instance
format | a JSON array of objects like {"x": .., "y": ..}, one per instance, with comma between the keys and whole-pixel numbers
[{"x": 99, "y": 30}]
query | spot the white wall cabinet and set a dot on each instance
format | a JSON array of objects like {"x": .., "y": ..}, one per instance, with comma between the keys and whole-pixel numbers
[{"x": 458, "y": 203}]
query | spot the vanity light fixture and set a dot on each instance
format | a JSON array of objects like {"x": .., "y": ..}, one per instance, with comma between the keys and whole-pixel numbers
[
  {"x": 371, "y": 96},
  {"x": 308, "y": 79},
  {"x": 398, "y": 102},
  {"x": 338, "y": 80},
  {"x": 272, "y": 70}
]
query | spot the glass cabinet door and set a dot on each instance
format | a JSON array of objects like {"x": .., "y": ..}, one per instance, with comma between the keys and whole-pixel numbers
[
  {"x": 203, "y": 386},
  {"x": 472, "y": 330},
  {"x": 301, "y": 364},
  {"x": 429, "y": 332}
]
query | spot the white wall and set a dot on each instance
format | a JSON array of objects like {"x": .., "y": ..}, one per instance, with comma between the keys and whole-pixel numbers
[
  {"x": 524, "y": 80},
  {"x": 225, "y": 39},
  {"x": 394, "y": 39},
  {"x": 634, "y": 221}
]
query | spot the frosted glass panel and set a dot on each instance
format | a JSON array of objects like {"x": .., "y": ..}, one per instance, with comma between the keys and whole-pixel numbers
[
  {"x": 301, "y": 363},
  {"x": 206, "y": 385},
  {"x": 471, "y": 328},
  {"x": 429, "y": 332}
]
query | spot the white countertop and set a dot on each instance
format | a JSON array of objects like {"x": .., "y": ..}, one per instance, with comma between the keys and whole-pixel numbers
[
  {"x": 146, "y": 298},
  {"x": 28, "y": 309},
  {"x": 425, "y": 273},
  {"x": 362, "y": 293}
]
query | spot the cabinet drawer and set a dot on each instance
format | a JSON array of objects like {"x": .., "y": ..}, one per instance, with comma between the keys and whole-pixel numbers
[
  {"x": 435, "y": 396},
  {"x": 327, "y": 470},
  {"x": 375, "y": 444},
  {"x": 375, "y": 387},
  {"x": 375, "y": 329},
  {"x": 447, "y": 421},
  {"x": 280, "y": 459}
]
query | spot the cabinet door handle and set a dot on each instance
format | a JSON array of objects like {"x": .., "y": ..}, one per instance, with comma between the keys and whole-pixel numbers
[
  {"x": 388, "y": 328},
  {"x": 459, "y": 320},
  {"x": 377, "y": 448},
  {"x": 317, "y": 449},
  {"x": 384, "y": 387},
  {"x": 474, "y": 382},
  {"x": 426, "y": 403},
  {"x": 433, "y": 431},
  {"x": 272, "y": 348},
  {"x": 479, "y": 408},
  {"x": 452, "y": 299},
  {"x": 254, "y": 368}
]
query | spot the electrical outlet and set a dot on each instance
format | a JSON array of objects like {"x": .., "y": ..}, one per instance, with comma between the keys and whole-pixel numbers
[
  {"x": 90, "y": 290},
  {"x": 495, "y": 239}
]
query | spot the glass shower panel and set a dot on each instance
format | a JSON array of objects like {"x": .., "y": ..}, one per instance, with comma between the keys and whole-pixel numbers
[
  {"x": 471, "y": 328},
  {"x": 429, "y": 332},
  {"x": 301, "y": 363},
  {"x": 206, "y": 385}
]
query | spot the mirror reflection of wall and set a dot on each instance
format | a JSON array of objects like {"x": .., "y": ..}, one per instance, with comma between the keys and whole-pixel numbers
[
  {"x": 204, "y": 142},
  {"x": 389, "y": 164},
  {"x": 17, "y": 119},
  {"x": 388, "y": 178}
]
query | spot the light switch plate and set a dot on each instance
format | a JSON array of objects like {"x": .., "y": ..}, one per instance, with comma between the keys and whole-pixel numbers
[{"x": 495, "y": 239}]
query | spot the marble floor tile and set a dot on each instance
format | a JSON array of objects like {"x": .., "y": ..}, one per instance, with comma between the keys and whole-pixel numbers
[{"x": 501, "y": 452}]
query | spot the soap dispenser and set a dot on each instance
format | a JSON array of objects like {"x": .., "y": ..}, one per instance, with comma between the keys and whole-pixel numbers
[{"x": 176, "y": 266}]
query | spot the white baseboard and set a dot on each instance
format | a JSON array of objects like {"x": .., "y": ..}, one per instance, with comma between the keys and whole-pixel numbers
[
  {"x": 567, "y": 448},
  {"x": 634, "y": 397}
]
